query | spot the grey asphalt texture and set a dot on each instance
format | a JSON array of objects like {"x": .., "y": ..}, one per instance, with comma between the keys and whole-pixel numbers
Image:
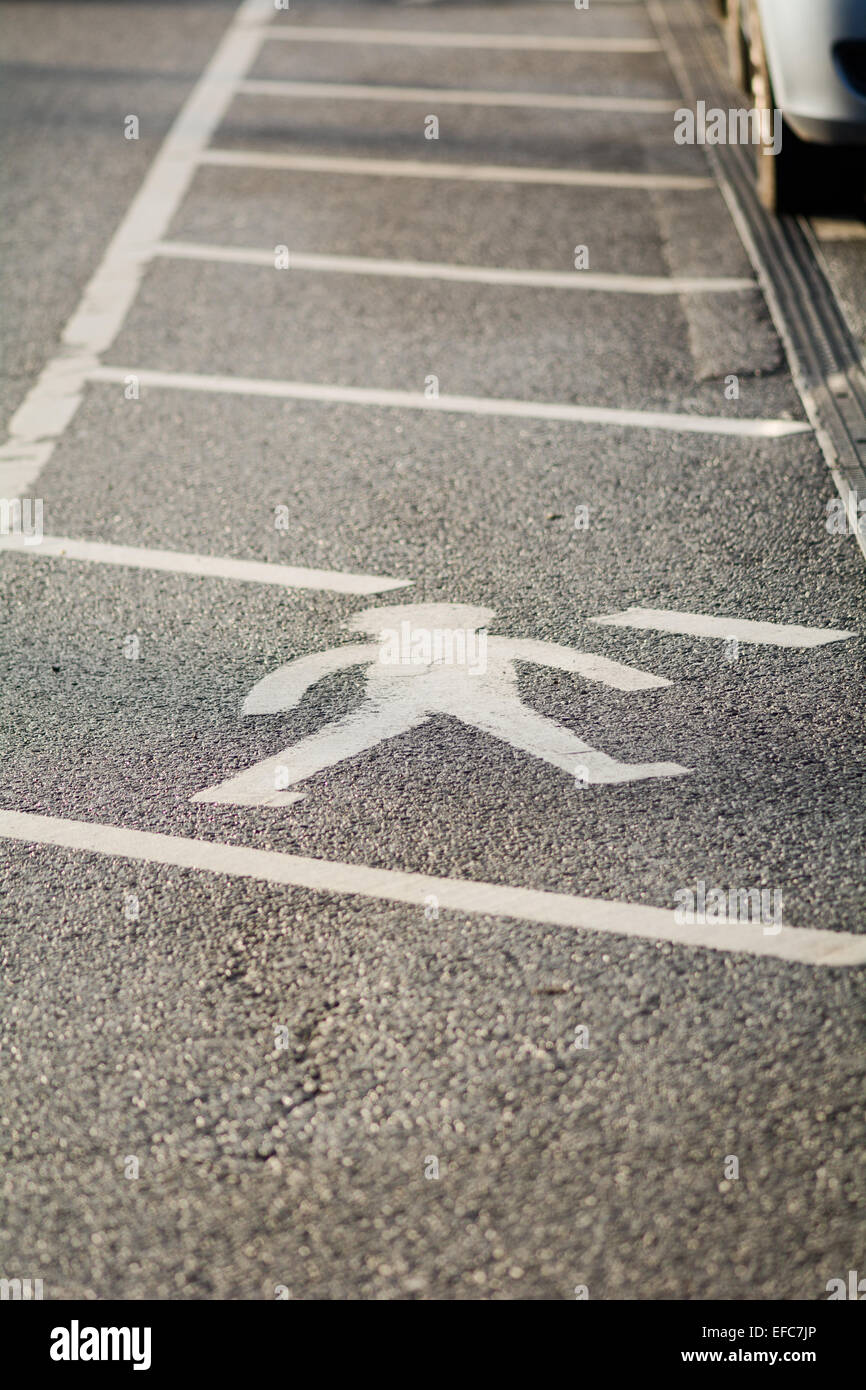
[{"x": 409, "y": 1038}]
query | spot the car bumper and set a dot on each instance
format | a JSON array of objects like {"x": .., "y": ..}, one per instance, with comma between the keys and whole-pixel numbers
[{"x": 816, "y": 50}]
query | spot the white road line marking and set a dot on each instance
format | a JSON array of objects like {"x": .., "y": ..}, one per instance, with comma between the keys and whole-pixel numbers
[
  {"x": 452, "y": 96},
  {"x": 424, "y": 660},
  {"x": 210, "y": 566},
  {"x": 52, "y": 402},
  {"x": 462, "y": 405},
  {"x": 833, "y": 229},
  {"x": 797, "y": 944},
  {"x": 474, "y": 173},
  {"x": 471, "y": 274},
  {"x": 435, "y": 38},
  {"x": 705, "y": 625}
]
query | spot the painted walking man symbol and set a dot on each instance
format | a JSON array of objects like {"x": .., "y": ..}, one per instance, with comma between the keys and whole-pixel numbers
[{"x": 430, "y": 659}]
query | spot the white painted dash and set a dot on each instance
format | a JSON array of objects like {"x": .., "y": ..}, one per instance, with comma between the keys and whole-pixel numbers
[
  {"x": 706, "y": 625},
  {"x": 210, "y": 566},
  {"x": 804, "y": 945}
]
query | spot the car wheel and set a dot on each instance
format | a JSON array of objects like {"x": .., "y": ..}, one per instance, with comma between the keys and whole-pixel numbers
[{"x": 785, "y": 181}]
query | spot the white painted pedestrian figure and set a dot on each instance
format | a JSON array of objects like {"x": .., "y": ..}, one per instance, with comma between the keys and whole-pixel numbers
[{"x": 430, "y": 659}]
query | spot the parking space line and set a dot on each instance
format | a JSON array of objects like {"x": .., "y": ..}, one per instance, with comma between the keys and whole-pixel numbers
[
  {"x": 706, "y": 625},
  {"x": 435, "y": 38},
  {"x": 462, "y": 405},
  {"x": 51, "y": 403},
  {"x": 795, "y": 944},
  {"x": 210, "y": 566},
  {"x": 483, "y": 275},
  {"x": 474, "y": 173},
  {"x": 449, "y": 96},
  {"x": 837, "y": 229}
]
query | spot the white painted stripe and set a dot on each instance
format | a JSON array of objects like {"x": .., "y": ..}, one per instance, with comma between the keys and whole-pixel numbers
[
  {"x": 211, "y": 566},
  {"x": 469, "y": 274},
  {"x": 452, "y": 96},
  {"x": 800, "y": 944},
  {"x": 837, "y": 229},
  {"x": 463, "y": 405},
  {"x": 442, "y": 38},
  {"x": 52, "y": 402},
  {"x": 473, "y": 173},
  {"x": 705, "y": 625}
]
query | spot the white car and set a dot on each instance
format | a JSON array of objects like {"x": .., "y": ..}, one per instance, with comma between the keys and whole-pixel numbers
[{"x": 806, "y": 59}]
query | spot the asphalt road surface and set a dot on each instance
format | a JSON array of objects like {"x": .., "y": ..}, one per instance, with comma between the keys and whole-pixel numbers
[{"x": 317, "y": 1058}]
